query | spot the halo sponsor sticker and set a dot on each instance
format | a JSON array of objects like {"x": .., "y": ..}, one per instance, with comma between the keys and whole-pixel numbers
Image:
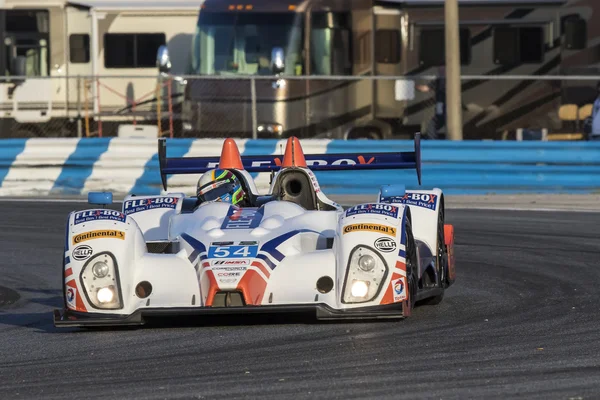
[
  {"x": 82, "y": 253},
  {"x": 399, "y": 289},
  {"x": 102, "y": 234},
  {"x": 96, "y": 215},
  {"x": 387, "y": 230},
  {"x": 70, "y": 295},
  {"x": 425, "y": 200},
  {"x": 386, "y": 245},
  {"x": 139, "y": 205},
  {"x": 386, "y": 210}
]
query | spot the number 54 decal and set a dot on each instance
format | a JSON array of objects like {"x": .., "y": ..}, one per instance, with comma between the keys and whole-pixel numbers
[{"x": 232, "y": 251}]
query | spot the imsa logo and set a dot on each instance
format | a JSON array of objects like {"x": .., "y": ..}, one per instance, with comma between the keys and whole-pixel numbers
[{"x": 386, "y": 245}]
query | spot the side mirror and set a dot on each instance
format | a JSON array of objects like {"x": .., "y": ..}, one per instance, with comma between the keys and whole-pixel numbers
[
  {"x": 277, "y": 60},
  {"x": 100, "y": 198},
  {"x": 391, "y": 193},
  {"x": 163, "y": 62}
]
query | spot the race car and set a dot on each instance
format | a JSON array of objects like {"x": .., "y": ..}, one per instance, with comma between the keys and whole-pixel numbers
[{"x": 292, "y": 250}]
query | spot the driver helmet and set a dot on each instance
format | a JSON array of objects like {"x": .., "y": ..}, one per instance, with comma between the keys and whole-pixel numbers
[{"x": 220, "y": 185}]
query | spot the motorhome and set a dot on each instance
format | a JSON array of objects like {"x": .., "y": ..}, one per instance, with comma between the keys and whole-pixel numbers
[
  {"x": 300, "y": 51},
  {"x": 62, "y": 61}
]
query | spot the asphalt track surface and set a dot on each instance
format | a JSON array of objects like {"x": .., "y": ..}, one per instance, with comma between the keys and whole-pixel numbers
[{"x": 521, "y": 322}]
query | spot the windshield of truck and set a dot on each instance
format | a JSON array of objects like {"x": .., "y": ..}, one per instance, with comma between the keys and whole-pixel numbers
[{"x": 241, "y": 43}]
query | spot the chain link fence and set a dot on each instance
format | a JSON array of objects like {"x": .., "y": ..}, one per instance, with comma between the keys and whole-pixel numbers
[{"x": 493, "y": 107}]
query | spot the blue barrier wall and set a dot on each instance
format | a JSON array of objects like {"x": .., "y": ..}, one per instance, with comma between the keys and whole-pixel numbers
[{"x": 72, "y": 166}]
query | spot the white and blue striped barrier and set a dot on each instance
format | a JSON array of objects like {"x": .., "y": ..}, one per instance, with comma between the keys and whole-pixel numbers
[{"x": 40, "y": 167}]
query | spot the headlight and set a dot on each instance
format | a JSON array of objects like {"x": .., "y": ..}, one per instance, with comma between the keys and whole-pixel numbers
[
  {"x": 366, "y": 263},
  {"x": 100, "y": 278},
  {"x": 100, "y": 269},
  {"x": 106, "y": 295},
  {"x": 366, "y": 272},
  {"x": 360, "y": 288}
]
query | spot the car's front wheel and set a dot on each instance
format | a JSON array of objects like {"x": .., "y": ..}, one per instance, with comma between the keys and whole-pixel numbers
[{"x": 412, "y": 274}]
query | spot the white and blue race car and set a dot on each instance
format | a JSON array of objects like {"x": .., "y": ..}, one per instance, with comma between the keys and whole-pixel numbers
[{"x": 293, "y": 250}]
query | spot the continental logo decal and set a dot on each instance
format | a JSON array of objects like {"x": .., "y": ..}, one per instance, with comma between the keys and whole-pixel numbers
[
  {"x": 388, "y": 230},
  {"x": 106, "y": 234}
]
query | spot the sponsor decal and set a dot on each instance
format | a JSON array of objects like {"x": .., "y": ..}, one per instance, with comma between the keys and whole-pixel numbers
[
  {"x": 139, "y": 205},
  {"x": 386, "y": 245},
  {"x": 95, "y": 215},
  {"x": 242, "y": 218},
  {"x": 70, "y": 295},
  {"x": 425, "y": 200},
  {"x": 328, "y": 159},
  {"x": 230, "y": 262},
  {"x": 82, "y": 253},
  {"x": 388, "y": 230},
  {"x": 399, "y": 289},
  {"x": 228, "y": 274},
  {"x": 387, "y": 210},
  {"x": 314, "y": 181},
  {"x": 230, "y": 268},
  {"x": 232, "y": 251},
  {"x": 103, "y": 234}
]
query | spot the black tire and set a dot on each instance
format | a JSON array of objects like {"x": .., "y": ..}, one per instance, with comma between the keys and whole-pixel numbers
[
  {"x": 412, "y": 274},
  {"x": 441, "y": 262}
]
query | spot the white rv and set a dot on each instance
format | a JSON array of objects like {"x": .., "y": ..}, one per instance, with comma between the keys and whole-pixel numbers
[
  {"x": 375, "y": 39},
  {"x": 46, "y": 41}
]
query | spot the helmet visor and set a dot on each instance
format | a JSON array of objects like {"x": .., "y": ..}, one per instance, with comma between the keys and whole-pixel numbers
[{"x": 218, "y": 192}]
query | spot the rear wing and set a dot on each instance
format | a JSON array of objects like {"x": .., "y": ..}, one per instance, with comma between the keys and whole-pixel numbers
[{"x": 315, "y": 162}]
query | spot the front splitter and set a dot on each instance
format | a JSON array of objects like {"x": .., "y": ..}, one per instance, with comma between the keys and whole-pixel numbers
[{"x": 68, "y": 318}]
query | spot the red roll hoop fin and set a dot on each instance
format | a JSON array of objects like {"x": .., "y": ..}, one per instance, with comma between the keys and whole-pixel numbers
[
  {"x": 294, "y": 156},
  {"x": 230, "y": 156}
]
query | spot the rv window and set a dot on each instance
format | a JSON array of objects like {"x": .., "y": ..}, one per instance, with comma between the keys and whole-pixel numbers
[
  {"x": 331, "y": 52},
  {"x": 146, "y": 48},
  {"x": 532, "y": 45},
  {"x": 575, "y": 30},
  {"x": 432, "y": 47},
  {"x": 26, "y": 56},
  {"x": 387, "y": 46},
  {"x": 79, "y": 48},
  {"x": 132, "y": 50},
  {"x": 518, "y": 45},
  {"x": 26, "y": 21},
  {"x": 242, "y": 43}
]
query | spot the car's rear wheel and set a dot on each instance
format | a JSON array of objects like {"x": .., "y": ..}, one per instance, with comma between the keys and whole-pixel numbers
[{"x": 441, "y": 261}]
